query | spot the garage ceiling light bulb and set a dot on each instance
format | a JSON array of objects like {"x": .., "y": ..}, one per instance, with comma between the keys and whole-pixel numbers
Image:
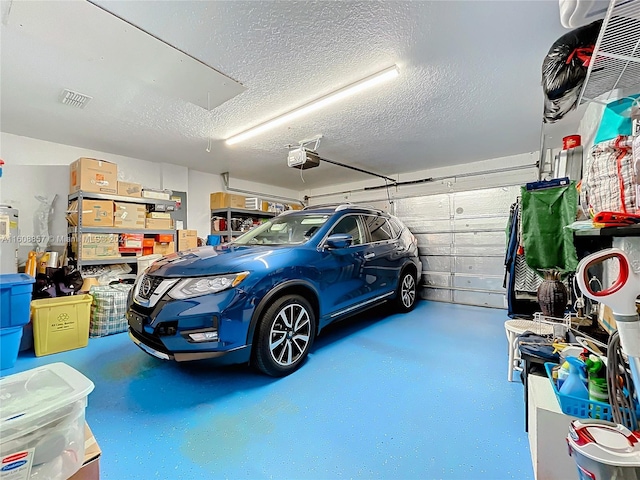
[{"x": 349, "y": 90}]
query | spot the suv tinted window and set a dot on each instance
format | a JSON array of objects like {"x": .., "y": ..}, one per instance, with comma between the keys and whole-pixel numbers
[
  {"x": 379, "y": 228},
  {"x": 396, "y": 226},
  {"x": 351, "y": 226}
]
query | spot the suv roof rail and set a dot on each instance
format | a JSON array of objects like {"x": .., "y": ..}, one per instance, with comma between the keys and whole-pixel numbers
[
  {"x": 323, "y": 205},
  {"x": 343, "y": 206}
]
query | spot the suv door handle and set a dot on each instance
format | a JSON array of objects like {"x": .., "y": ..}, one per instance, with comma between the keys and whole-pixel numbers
[{"x": 369, "y": 255}]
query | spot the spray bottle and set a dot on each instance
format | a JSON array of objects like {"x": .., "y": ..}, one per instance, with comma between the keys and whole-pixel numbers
[{"x": 575, "y": 384}]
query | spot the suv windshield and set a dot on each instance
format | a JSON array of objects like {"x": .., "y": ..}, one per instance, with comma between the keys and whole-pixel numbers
[{"x": 283, "y": 230}]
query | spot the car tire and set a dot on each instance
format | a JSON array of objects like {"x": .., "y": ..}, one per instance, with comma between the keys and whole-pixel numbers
[
  {"x": 285, "y": 336},
  {"x": 406, "y": 295}
]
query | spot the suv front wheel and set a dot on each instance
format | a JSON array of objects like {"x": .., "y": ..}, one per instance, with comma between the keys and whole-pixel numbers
[{"x": 285, "y": 335}]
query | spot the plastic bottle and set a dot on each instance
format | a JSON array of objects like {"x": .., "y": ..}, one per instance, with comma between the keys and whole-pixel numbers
[
  {"x": 563, "y": 373},
  {"x": 575, "y": 384},
  {"x": 596, "y": 371},
  {"x": 30, "y": 268}
]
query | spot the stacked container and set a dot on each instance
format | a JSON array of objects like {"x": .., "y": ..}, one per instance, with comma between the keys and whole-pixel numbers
[
  {"x": 42, "y": 420},
  {"x": 15, "y": 300}
]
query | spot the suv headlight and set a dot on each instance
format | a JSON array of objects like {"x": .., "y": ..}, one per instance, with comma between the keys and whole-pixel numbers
[{"x": 194, "y": 287}]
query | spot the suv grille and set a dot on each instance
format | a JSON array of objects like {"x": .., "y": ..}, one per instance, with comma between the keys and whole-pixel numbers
[{"x": 148, "y": 285}]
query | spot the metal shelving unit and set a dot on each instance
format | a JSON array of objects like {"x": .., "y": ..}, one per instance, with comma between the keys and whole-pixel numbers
[
  {"x": 228, "y": 213},
  {"x": 616, "y": 58},
  {"x": 79, "y": 230}
]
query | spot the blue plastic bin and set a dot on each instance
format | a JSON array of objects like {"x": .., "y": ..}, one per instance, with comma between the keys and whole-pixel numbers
[
  {"x": 15, "y": 299},
  {"x": 9, "y": 346}
]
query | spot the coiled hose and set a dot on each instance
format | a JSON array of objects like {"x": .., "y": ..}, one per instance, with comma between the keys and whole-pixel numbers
[{"x": 621, "y": 394}]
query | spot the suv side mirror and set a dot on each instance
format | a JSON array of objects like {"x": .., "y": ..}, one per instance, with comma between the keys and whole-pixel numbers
[{"x": 339, "y": 240}]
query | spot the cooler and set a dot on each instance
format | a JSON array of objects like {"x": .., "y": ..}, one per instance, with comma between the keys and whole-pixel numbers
[
  {"x": 603, "y": 450},
  {"x": 42, "y": 422}
]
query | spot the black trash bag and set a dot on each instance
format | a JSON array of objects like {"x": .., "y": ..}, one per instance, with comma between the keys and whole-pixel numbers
[
  {"x": 66, "y": 280},
  {"x": 564, "y": 70},
  {"x": 43, "y": 287}
]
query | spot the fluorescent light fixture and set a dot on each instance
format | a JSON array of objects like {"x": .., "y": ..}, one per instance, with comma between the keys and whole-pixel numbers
[{"x": 370, "y": 81}]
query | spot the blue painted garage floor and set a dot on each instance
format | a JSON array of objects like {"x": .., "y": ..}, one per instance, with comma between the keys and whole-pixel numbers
[{"x": 416, "y": 396}]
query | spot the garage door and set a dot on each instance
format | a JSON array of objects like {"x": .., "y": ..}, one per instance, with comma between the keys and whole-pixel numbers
[{"x": 461, "y": 237}]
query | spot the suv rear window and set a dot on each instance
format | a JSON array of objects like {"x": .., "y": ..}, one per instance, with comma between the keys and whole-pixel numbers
[{"x": 379, "y": 228}]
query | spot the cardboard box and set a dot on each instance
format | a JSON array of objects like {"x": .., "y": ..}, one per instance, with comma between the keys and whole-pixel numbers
[
  {"x": 158, "y": 215},
  {"x": 95, "y": 213},
  {"x": 93, "y": 175},
  {"x": 164, "y": 248},
  {"x": 156, "y": 194},
  {"x": 187, "y": 239},
  {"x": 225, "y": 200},
  {"x": 129, "y": 215},
  {"x": 158, "y": 224},
  {"x": 131, "y": 241},
  {"x": 90, "y": 469},
  {"x": 128, "y": 189},
  {"x": 97, "y": 246}
]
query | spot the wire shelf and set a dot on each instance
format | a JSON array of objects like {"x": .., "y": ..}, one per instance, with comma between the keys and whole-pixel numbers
[{"x": 616, "y": 58}]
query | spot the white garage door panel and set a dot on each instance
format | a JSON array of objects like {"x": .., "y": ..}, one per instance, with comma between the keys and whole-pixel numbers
[
  {"x": 423, "y": 208},
  {"x": 426, "y": 240},
  {"x": 484, "y": 202},
  {"x": 494, "y": 300},
  {"x": 480, "y": 238},
  {"x": 429, "y": 226},
  {"x": 479, "y": 266},
  {"x": 435, "y": 249},
  {"x": 437, "y": 279},
  {"x": 494, "y": 224},
  {"x": 436, "y": 264},
  {"x": 478, "y": 282},
  {"x": 479, "y": 250},
  {"x": 437, "y": 294}
]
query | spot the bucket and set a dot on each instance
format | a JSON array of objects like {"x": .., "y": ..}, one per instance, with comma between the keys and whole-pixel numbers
[
  {"x": 145, "y": 262},
  {"x": 604, "y": 450},
  {"x": 9, "y": 346}
]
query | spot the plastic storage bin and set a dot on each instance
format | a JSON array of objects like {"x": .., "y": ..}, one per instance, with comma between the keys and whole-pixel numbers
[
  {"x": 15, "y": 296},
  {"x": 9, "y": 346},
  {"x": 42, "y": 422},
  {"x": 60, "y": 324},
  {"x": 581, "y": 407}
]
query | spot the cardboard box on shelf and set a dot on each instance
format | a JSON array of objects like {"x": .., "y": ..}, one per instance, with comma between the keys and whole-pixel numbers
[
  {"x": 156, "y": 194},
  {"x": 187, "y": 239},
  {"x": 226, "y": 200},
  {"x": 95, "y": 213},
  {"x": 90, "y": 469},
  {"x": 131, "y": 241},
  {"x": 129, "y": 189},
  {"x": 158, "y": 215},
  {"x": 93, "y": 175},
  {"x": 164, "y": 248},
  {"x": 158, "y": 223},
  {"x": 97, "y": 246},
  {"x": 129, "y": 215}
]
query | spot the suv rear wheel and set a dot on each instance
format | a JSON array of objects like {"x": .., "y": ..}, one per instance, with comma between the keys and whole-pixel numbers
[
  {"x": 285, "y": 335},
  {"x": 406, "y": 294}
]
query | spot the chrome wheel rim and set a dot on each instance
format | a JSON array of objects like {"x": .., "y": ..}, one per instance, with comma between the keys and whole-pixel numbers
[
  {"x": 408, "y": 291},
  {"x": 290, "y": 334}
]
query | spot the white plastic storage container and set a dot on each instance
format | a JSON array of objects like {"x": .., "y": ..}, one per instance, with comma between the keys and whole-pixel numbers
[{"x": 42, "y": 422}]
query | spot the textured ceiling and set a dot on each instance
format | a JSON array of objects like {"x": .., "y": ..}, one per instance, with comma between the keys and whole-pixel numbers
[{"x": 469, "y": 85}]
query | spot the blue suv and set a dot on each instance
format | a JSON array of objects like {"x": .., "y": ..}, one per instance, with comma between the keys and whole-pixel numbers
[{"x": 264, "y": 297}]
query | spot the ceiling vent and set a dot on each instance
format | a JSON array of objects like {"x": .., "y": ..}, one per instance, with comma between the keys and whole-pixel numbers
[{"x": 74, "y": 99}]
